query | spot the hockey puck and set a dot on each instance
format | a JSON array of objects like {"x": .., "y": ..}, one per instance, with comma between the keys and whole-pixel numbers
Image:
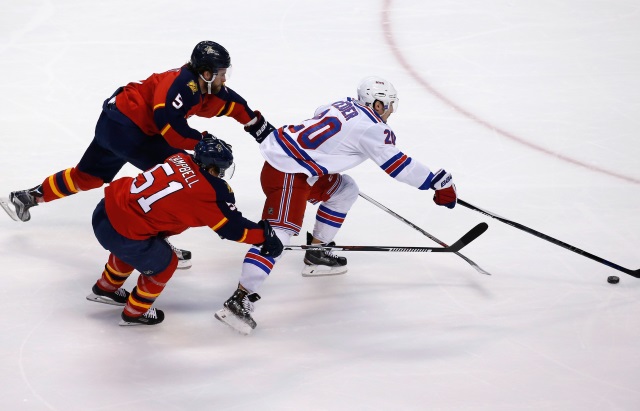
[{"x": 613, "y": 279}]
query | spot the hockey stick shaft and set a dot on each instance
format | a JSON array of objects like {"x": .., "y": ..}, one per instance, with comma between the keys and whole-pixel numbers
[
  {"x": 423, "y": 232},
  {"x": 471, "y": 235},
  {"x": 633, "y": 273}
]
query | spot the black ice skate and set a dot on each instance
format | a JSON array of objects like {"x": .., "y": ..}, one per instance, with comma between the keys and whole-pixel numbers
[
  {"x": 237, "y": 311},
  {"x": 117, "y": 297},
  {"x": 184, "y": 256},
  {"x": 21, "y": 201},
  {"x": 151, "y": 317},
  {"x": 322, "y": 262}
]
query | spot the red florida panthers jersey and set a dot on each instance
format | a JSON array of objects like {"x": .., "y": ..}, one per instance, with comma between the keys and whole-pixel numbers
[
  {"x": 173, "y": 196},
  {"x": 162, "y": 103}
]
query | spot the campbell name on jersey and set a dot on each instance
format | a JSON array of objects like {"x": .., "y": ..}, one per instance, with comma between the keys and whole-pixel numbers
[{"x": 174, "y": 196}]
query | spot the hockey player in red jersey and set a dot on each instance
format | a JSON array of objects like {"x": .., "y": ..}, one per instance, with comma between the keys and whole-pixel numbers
[
  {"x": 304, "y": 162},
  {"x": 145, "y": 122},
  {"x": 137, "y": 213}
]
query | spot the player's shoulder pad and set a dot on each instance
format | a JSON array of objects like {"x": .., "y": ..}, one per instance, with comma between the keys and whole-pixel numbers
[
  {"x": 186, "y": 84},
  {"x": 223, "y": 190}
]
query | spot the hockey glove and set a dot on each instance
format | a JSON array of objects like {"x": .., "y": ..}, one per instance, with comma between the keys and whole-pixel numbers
[
  {"x": 260, "y": 129},
  {"x": 208, "y": 136},
  {"x": 272, "y": 246},
  {"x": 442, "y": 184}
]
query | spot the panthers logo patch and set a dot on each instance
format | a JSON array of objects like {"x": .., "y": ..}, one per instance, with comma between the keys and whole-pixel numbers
[{"x": 193, "y": 86}]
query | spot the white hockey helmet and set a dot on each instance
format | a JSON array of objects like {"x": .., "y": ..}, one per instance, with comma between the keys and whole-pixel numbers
[{"x": 375, "y": 88}]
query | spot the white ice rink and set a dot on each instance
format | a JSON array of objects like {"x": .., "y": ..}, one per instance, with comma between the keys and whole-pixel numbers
[{"x": 532, "y": 105}]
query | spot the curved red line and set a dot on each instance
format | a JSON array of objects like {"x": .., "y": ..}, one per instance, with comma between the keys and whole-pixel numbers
[{"x": 388, "y": 36}]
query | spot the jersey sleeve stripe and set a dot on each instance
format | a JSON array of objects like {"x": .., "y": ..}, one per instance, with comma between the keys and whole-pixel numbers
[
  {"x": 220, "y": 224},
  {"x": 164, "y": 130},
  {"x": 396, "y": 164},
  {"x": 231, "y": 107},
  {"x": 244, "y": 236},
  {"x": 220, "y": 111},
  {"x": 158, "y": 106}
]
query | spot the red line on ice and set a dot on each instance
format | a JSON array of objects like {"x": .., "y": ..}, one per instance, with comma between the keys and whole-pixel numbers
[{"x": 388, "y": 35}]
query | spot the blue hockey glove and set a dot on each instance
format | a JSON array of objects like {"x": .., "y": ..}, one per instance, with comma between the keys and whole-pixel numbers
[
  {"x": 272, "y": 246},
  {"x": 260, "y": 129}
]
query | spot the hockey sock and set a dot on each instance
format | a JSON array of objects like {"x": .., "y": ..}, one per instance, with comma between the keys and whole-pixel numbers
[
  {"x": 327, "y": 224},
  {"x": 115, "y": 274},
  {"x": 255, "y": 269},
  {"x": 68, "y": 182},
  {"x": 148, "y": 289}
]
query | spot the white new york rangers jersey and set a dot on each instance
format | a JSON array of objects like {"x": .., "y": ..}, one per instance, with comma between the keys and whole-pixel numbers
[{"x": 340, "y": 136}]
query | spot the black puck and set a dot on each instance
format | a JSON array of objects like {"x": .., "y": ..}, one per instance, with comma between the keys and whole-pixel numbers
[{"x": 613, "y": 279}]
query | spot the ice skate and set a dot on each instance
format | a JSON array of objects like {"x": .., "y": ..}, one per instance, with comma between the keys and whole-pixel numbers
[
  {"x": 237, "y": 311},
  {"x": 19, "y": 203},
  {"x": 117, "y": 297},
  {"x": 322, "y": 262},
  {"x": 184, "y": 256},
  {"x": 151, "y": 317}
]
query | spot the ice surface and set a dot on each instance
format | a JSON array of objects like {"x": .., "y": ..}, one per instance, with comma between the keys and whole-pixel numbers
[{"x": 533, "y": 106}]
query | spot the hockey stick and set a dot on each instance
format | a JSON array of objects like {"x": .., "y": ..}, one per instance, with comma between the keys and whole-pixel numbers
[
  {"x": 633, "y": 273},
  {"x": 409, "y": 223},
  {"x": 471, "y": 235}
]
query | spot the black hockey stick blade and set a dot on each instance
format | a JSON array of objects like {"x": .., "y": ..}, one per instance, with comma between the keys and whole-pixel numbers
[
  {"x": 633, "y": 273},
  {"x": 423, "y": 232},
  {"x": 474, "y": 233}
]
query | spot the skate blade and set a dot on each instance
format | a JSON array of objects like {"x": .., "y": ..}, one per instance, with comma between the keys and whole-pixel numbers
[
  {"x": 127, "y": 323},
  {"x": 4, "y": 203},
  {"x": 103, "y": 300},
  {"x": 184, "y": 264},
  {"x": 322, "y": 270},
  {"x": 227, "y": 317}
]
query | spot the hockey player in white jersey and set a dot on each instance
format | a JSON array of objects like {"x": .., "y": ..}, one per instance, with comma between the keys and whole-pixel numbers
[{"x": 303, "y": 164}]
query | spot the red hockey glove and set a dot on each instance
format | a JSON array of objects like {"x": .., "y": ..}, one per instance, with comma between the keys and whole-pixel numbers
[
  {"x": 260, "y": 129},
  {"x": 445, "y": 190}
]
